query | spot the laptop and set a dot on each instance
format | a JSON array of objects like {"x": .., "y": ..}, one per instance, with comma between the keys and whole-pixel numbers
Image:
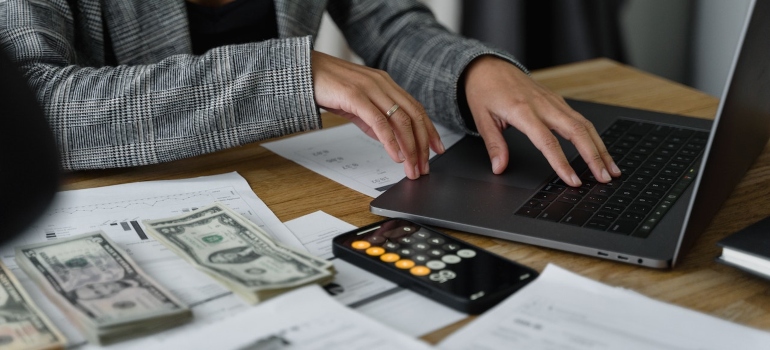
[{"x": 677, "y": 172}]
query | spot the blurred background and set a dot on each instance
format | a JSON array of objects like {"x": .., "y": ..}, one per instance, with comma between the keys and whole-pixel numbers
[{"x": 688, "y": 41}]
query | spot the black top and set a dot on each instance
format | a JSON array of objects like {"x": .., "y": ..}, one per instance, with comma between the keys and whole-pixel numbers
[{"x": 239, "y": 22}]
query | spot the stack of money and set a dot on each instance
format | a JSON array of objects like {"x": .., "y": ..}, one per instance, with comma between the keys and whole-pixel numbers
[
  {"x": 100, "y": 288},
  {"x": 238, "y": 253},
  {"x": 22, "y": 324}
]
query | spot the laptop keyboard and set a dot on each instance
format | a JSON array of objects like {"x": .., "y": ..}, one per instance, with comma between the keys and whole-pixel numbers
[{"x": 658, "y": 162}]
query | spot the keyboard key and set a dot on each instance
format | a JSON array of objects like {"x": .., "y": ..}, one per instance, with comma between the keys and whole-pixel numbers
[
  {"x": 607, "y": 215},
  {"x": 529, "y": 212},
  {"x": 545, "y": 196},
  {"x": 577, "y": 217},
  {"x": 577, "y": 191},
  {"x": 536, "y": 204},
  {"x": 640, "y": 208},
  {"x": 592, "y": 207},
  {"x": 552, "y": 188},
  {"x": 555, "y": 211},
  {"x": 569, "y": 198},
  {"x": 616, "y": 208},
  {"x": 595, "y": 198},
  {"x": 620, "y": 200},
  {"x": 598, "y": 224},
  {"x": 623, "y": 227}
]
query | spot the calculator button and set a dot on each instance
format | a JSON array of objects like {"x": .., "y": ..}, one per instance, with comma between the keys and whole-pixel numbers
[
  {"x": 466, "y": 253},
  {"x": 391, "y": 245},
  {"x": 360, "y": 245},
  {"x": 435, "y": 265},
  {"x": 442, "y": 276},
  {"x": 389, "y": 257},
  {"x": 436, "y": 252},
  {"x": 451, "y": 259},
  {"x": 436, "y": 240},
  {"x": 450, "y": 247},
  {"x": 419, "y": 271},
  {"x": 420, "y": 258},
  {"x": 405, "y": 252},
  {"x": 422, "y": 235},
  {"x": 376, "y": 239},
  {"x": 375, "y": 251},
  {"x": 406, "y": 240},
  {"x": 421, "y": 246},
  {"x": 405, "y": 264}
]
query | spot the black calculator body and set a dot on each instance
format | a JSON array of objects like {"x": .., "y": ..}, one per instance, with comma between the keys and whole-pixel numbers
[{"x": 452, "y": 272}]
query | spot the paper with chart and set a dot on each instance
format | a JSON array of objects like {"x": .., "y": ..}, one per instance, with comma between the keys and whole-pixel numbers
[
  {"x": 119, "y": 210},
  {"x": 563, "y": 310},
  {"x": 367, "y": 293},
  {"x": 349, "y": 157}
]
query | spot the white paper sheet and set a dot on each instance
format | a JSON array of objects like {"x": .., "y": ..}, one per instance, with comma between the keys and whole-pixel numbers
[
  {"x": 562, "y": 310},
  {"x": 119, "y": 210},
  {"x": 348, "y": 156},
  {"x": 306, "y": 319},
  {"x": 370, "y": 294}
]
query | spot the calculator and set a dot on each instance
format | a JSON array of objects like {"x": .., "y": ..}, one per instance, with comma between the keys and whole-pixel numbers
[{"x": 445, "y": 269}]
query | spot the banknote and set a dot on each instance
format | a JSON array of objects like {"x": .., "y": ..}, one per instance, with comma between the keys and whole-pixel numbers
[
  {"x": 238, "y": 253},
  {"x": 100, "y": 287},
  {"x": 22, "y": 324}
]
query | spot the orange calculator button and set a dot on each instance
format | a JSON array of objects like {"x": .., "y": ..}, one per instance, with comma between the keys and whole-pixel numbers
[
  {"x": 390, "y": 257},
  {"x": 361, "y": 245},
  {"x": 405, "y": 264},
  {"x": 375, "y": 251},
  {"x": 420, "y": 271}
]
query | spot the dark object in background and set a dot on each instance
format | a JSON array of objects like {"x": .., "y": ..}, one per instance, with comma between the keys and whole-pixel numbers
[
  {"x": 29, "y": 163},
  {"x": 544, "y": 33}
]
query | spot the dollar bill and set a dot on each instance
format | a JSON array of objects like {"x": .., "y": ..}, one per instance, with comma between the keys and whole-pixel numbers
[
  {"x": 237, "y": 253},
  {"x": 100, "y": 288},
  {"x": 22, "y": 324}
]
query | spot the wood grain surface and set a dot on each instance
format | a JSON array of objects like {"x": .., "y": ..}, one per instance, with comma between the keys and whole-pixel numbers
[{"x": 698, "y": 283}]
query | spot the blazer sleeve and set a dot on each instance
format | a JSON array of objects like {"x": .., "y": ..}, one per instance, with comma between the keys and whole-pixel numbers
[
  {"x": 177, "y": 107},
  {"x": 403, "y": 38}
]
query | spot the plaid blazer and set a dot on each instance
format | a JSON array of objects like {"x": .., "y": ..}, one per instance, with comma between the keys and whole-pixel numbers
[{"x": 161, "y": 103}]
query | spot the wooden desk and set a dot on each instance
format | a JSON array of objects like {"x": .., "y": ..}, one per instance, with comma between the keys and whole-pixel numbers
[{"x": 698, "y": 282}]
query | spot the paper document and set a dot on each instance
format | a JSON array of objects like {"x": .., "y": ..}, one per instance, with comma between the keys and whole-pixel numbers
[
  {"x": 119, "y": 210},
  {"x": 368, "y": 293},
  {"x": 349, "y": 157},
  {"x": 306, "y": 319},
  {"x": 562, "y": 310}
]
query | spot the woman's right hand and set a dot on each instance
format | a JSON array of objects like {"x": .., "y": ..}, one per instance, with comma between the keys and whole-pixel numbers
[{"x": 364, "y": 96}]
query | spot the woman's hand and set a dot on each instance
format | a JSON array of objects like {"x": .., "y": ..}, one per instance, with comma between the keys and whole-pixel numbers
[
  {"x": 500, "y": 94},
  {"x": 365, "y": 96}
]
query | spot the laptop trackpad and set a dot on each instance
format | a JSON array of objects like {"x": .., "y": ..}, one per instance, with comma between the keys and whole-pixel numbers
[{"x": 527, "y": 167}]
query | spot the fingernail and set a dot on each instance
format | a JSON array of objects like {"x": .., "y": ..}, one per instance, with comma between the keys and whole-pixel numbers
[
  {"x": 606, "y": 175},
  {"x": 615, "y": 168},
  {"x": 401, "y": 156},
  {"x": 495, "y": 163},
  {"x": 576, "y": 180},
  {"x": 427, "y": 168},
  {"x": 416, "y": 171},
  {"x": 441, "y": 147}
]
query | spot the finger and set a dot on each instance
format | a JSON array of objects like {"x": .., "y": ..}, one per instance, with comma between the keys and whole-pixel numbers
[
  {"x": 575, "y": 128},
  {"x": 545, "y": 141},
  {"x": 370, "y": 115},
  {"x": 419, "y": 127},
  {"x": 497, "y": 148},
  {"x": 401, "y": 124},
  {"x": 418, "y": 110}
]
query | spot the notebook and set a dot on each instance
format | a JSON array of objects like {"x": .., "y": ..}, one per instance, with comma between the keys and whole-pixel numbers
[{"x": 677, "y": 173}]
